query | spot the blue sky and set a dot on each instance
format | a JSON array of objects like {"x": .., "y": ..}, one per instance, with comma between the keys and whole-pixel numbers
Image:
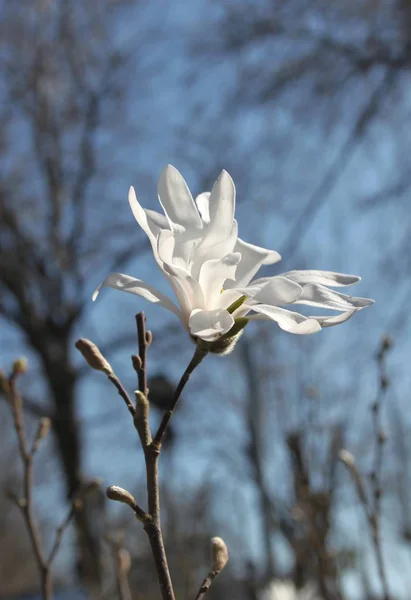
[{"x": 277, "y": 154}]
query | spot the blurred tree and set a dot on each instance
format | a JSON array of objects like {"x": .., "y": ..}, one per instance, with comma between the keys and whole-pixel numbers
[{"x": 63, "y": 71}]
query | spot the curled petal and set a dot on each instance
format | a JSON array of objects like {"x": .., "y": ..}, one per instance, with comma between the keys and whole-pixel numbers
[
  {"x": 286, "y": 319},
  {"x": 177, "y": 201},
  {"x": 214, "y": 273},
  {"x": 188, "y": 291},
  {"x": 150, "y": 221},
  {"x": 221, "y": 210},
  {"x": 139, "y": 288},
  {"x": 252, "y": 258},
  {"x": 335, "y": 319},
  {"x": 319, "y": 295},
  {"x": 165, "y": 246},
  {"x": 275, "y": 291},
  {"x": 209, "y": 325},
  {"x": 322, "y": 277}
]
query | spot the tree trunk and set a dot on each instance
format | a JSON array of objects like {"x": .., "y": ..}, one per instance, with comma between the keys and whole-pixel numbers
[{"x": 62, "y": 384}]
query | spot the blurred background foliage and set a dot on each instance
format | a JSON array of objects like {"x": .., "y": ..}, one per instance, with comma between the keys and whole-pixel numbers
[{"x": 307, "y": 105}]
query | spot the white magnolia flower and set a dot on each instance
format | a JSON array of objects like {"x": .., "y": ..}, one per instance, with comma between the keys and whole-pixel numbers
[
  {"x": 286, "y": 590},
  {"x": 211, "y": 270}
]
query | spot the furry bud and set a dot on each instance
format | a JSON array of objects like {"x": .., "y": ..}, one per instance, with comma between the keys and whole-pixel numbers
[
  {"x": 20, "y": 366},
  {"x": 114, "y": 492},
  {"x": 93, "y": 356},
  {"x": 347, "y": 458},
  {"x": 219, "y": 553},
  {"x": 137, "y": 364}
]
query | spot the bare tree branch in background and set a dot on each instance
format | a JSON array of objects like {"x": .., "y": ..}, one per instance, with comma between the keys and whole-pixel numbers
[
  {"x": 63, "y": 70},
  {"x": 44, "y": 560}
]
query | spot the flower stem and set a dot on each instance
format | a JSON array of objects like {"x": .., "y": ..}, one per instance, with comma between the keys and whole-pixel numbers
[{"x": 198, "y": 356}]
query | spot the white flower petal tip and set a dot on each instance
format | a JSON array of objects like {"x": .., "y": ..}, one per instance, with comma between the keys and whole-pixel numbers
[
  {"x": 287, "y": 320},
  {"x": 177, "y": 201},
  {"x": 273, "y": 257},
  {"x": 96, "y": 293},
  {"x": 203, "y": 205},
  {"x": 212, "y": 271},
  {"x": 139, "y": 288},
  {"x": 210, "y": 325},
  {"x": 330, "y": 278}
]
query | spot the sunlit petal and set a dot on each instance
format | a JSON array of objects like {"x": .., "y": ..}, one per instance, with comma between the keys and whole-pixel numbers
[
  {"x": 203, "y": 205},
  {"x": 221, "y": 210},
  {"x": 214, "y": 273},
  {"x": 252, "y": 258},
  {"x": 323, "y": 278},
  {"x": 177, "y": 201},
  {"x": 139, "y": 288},
  {"x": 209, "y": 325},
  {"x": 319, "y": 295},
  {"x": 286, "y": 319}
]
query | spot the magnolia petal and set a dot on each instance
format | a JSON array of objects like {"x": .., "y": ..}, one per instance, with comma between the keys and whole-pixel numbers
[
  {"x": 187, "y": 289},
  {"x": 330, "y": 278},
  {"x": 156, "y": 221},
  {"x": 165, "y": 246},
  {"x": 252, "y": 258},
  {"x": 203, "y": 252},
  {"x": 221, "y": 210},
  {"x": 286, "y": 319},
  {"x": 274, "y": 291},
  {"x": 177, "y": 201},
  {"x": 319, "y": 295},
  {"x": 335, "y": 319},
  {"x": 139, "y": 288},
  {"x": 203, "y": 205},
  {"x": 151, "y": 222},
  {"x": 209, "y": 325},
  {"x": 214, "y": 273}
]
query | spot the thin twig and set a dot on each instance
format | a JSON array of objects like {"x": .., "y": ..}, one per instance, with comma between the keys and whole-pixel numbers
[
  {"x": 379, "y": 436},
  {"x": 151, "y": 447},
  {"x": 122, "y": 392},
  {"x": 373, "y": 508},
  {"x": 205, "y": 586},
  {"x": 198, "y": 356},
  {"x": 25, "y": 504},
  {"x": 151, "y": 455},
  {"x": 219, "y": 553},
  {"x": 122, "y": 564},
  {"x": 61, "y": 529},
  {"x": 142, "y": 351}
]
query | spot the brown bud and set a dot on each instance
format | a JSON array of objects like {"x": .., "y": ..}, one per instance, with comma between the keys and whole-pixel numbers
[
  {"x": 149, "y": 337},
  {"x": 78, "y": 504},
  {"x": 93, "y": 356},
  {"x": 114, "y": 492},
  {"x": 20, "y": 366},
  {"x": 44, "y": 428},
  {"x": 137, "y": 363},
  {"x": 382, "y": 437},
  {"x": 387, "y": 343},
  {"x": 219, "y": 553},
  {"x": 384, "y": 382}
]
